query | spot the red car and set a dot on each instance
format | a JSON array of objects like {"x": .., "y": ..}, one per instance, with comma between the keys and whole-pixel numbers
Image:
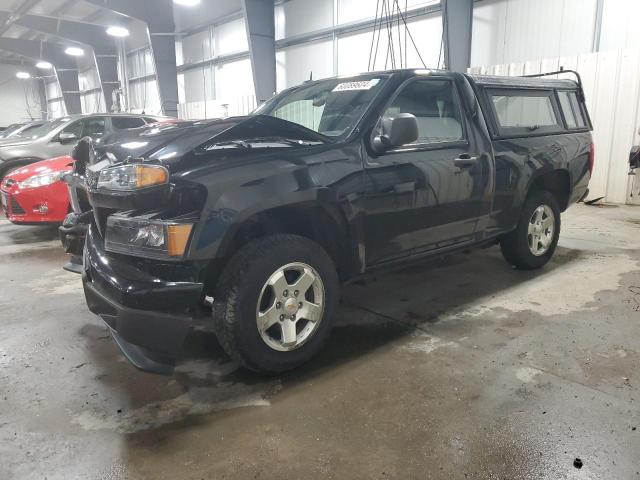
[{"x": 35, "y": 193}]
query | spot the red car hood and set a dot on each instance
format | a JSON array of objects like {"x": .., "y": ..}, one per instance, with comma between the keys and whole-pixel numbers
[{"x": 58, "y": 164}]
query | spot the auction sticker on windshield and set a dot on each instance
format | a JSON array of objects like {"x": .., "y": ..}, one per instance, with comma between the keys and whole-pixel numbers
[{"x": 363, "y": 85}]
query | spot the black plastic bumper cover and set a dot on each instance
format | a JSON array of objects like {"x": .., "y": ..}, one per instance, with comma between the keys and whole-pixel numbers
[{"x": 150, "y": 339}]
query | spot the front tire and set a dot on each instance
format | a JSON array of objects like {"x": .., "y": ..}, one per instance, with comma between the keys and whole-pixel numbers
[
  {"x": 532, "y": 244},
  {"x": 274, "y": 303}
]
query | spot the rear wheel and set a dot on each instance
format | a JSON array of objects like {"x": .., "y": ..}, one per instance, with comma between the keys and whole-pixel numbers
[
  {"x": 274, "y": 303},
  {"x": 532, "y": 244}
]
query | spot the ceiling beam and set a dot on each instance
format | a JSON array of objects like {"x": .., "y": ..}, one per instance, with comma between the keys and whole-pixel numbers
[
  {"x": 23, "y": 8},
  {"x": 65, "y": 66},
  {"x": 104, "y": 51}
]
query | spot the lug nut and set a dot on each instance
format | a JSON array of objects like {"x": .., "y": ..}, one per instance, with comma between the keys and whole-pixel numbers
[
  {"x": 278, "y": 305},
  {"x": 281, "y": 317},
  {"x": 293, "y": 317},
  {"x": 296, "y": 293},
  {"x": 300, "y": 305},
  {"x": 285, "y": 293}
]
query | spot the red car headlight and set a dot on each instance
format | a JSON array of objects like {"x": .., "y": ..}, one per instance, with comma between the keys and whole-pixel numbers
[{"x": 41, "y": 180}]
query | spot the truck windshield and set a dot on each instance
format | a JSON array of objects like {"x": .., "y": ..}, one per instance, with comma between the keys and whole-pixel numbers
[{"x": 330, "y": 107}]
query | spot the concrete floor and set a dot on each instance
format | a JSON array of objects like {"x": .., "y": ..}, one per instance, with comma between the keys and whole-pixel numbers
[{"x": 461, "y": 369}]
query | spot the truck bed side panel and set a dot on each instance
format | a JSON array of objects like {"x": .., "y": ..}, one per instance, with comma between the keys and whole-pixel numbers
[{"x": 519, "y": 161}]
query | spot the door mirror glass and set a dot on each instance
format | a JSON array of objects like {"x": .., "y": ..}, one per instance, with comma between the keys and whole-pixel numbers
[
  {"x": 400, "y": 129},
  {"x": 67, "y": 137}
]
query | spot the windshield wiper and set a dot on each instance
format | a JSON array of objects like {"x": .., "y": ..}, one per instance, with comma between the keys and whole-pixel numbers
[{"x": 229, "y": 143}]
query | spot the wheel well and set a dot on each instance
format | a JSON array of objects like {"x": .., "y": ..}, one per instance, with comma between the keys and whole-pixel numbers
[
  {"x": 323, "y": 225},
  {"x": 556, "y": 182}
]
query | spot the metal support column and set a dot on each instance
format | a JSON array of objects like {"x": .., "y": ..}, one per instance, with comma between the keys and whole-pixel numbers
[
  {"x": 65, "y": 66},
  {"x": 457, "y": 21},
  {"x": 259, "y": 19},
  {"x": 158, "y": 15}
]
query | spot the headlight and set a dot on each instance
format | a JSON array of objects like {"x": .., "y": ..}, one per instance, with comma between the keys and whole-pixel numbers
[
  {"x": 128, "y": 178},
  {"x": 161, "y": 239},
  {"x": 41, "y": 180}
]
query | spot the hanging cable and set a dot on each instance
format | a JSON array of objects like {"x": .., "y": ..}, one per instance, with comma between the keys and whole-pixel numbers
[
  {"x": 389, "y": 27},
  {"x": 404, "y": 21},
  {"x": 444, "y": 29},
  {"x": 395, "y": 4},
  {"x": 373, "y": 38}
]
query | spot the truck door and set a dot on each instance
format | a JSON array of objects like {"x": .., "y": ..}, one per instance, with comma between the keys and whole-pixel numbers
[{"x": 430, "y": 194}]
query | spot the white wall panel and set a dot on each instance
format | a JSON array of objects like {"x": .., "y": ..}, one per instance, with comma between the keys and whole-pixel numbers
[
  {"x": 20, "y": 99},
  {"x": 53, "y": 90},
  {"x": 230, "y": 37},
  {"x": 199, "y": 84},
  {"x": 92, "y": 102},
  {"x": 295, "y": 64},
  {"x": 56, "y": 109},
  {"x": 427, "y": 33},
  {"x": 620, "y": 27},
  {"x": 197, "y": 47},
  {"x": 144, "y": 96},
  {"x": 625, "y": 125},
  {"x": 233, "y": 80},
  {"x": 354, "y": 50},
  {"x": 296, "y": 17},
  {"x": 507, "y": 31},
  {"x": 354, "y": 10}
]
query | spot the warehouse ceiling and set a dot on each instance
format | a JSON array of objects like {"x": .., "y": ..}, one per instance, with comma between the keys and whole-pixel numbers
[{"x": 186, "y": 18}]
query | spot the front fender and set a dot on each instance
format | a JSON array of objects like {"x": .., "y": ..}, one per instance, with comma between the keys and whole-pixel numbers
[{"x": 218, "y": 225}]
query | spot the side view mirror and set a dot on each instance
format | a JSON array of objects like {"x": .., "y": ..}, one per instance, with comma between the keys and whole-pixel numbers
[
  {"x": 398, "y": 130},
  {"x": 67, "y": 137}
]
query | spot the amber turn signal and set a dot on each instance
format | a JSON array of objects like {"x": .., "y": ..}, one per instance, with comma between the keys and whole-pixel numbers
[
  {"x": 177, "y": 239},
  {"x": 147, "y": 176}
]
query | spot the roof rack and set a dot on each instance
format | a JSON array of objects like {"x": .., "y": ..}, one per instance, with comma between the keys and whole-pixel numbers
[{"x": 562, "y": 70}]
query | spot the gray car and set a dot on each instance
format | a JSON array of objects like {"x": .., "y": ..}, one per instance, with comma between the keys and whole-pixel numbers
[
  {"x": 58, "y": 137},
  {"x": 21, "y": 129}
]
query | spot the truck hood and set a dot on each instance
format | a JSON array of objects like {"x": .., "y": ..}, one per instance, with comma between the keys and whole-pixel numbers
[{"x": 178, "y": 146}]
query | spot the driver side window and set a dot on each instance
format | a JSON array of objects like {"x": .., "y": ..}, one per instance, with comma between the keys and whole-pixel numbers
[
  {"x": 75, "y": 128},
  {"x": 93, "y": 127},
  {"x": 436, "y": 108}
]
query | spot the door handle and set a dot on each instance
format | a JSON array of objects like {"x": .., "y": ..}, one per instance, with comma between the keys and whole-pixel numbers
[{"x": 465, "y": 160}]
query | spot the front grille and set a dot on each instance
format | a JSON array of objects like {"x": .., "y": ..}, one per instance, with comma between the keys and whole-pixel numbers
[
  {"x": 91, "y": 178},
  {"x": 16, "y": 209}
]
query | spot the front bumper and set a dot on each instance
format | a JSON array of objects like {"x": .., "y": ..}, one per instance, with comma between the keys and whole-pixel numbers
[
  {"x": 47, "y": 204},
  {"x": 149, "y": 317}
]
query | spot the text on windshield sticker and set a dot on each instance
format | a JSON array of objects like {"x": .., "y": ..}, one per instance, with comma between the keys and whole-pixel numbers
[{"x": 361, "y": 85}]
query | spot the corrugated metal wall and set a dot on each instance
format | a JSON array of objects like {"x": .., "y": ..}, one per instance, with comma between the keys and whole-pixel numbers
[{"x": 506, "y": 31}]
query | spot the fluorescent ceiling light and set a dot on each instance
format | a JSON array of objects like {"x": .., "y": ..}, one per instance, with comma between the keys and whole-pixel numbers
[
  {"x": 23, "y": 75},
  {"x": 44, "y": 65},
  {"x": 187, "y": 3},
  {"x": 74, "y": 51},
  {"x": 116, "y": 31}
]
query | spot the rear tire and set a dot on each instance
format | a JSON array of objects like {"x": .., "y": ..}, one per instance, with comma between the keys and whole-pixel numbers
[
  {"x": 532, "y": 244},
  {"x": 274, "y": 303}
]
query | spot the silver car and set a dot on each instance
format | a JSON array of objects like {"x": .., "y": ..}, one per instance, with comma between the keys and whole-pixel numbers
[
  {"x": 58, "y": 137},
  {"x": 21, "y": 129}
]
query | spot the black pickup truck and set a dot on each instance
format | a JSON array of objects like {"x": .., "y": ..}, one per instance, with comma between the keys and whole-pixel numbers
[{"x": 248, "y": 225}]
